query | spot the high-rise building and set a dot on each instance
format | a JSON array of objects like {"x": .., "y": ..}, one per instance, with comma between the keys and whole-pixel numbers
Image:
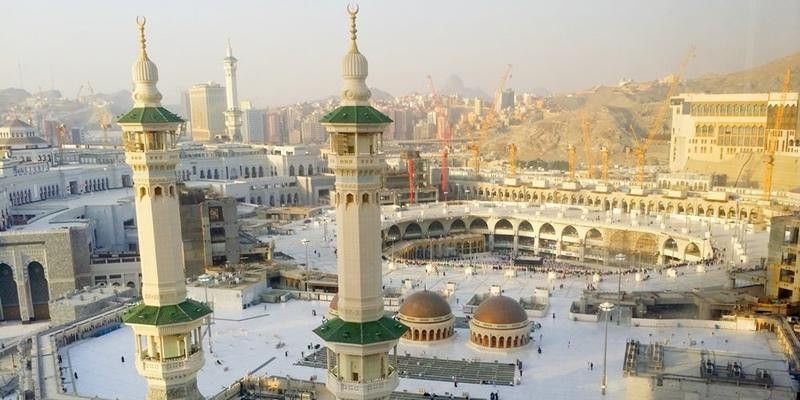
[
  {"x": 233, "y": 116},
  {"x": 507, "y": 99},
  {"x": 275, "y": 128},
  {"x": 253, "y": 124},
  {"x": 166, "y": 325},
  {"x": 360, "y": 339},
  {"x": 208, "y": 106}
]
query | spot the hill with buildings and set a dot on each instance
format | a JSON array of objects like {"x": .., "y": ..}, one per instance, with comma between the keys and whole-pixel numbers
[{"x": 619, "y": 116}]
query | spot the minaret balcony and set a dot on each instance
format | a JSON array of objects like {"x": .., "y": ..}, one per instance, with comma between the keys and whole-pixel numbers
[
  {"x": 344, "y": 389},
  {"x": 155, "y": 367},
  {"x": 353, "y": 161}
]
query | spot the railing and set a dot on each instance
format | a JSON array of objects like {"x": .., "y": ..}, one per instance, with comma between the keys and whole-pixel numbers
[{"x": 358, "y": 389}]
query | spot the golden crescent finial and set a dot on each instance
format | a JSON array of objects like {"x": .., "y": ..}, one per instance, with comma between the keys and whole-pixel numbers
[
  {"x": 141, "y": 20},
  {"x": 352, "y": 11}
]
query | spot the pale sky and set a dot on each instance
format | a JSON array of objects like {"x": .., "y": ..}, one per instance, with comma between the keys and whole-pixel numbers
[{"x": 290, "y": 50}]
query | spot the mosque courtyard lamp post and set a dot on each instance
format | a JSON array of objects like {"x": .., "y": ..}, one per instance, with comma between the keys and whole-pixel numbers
[
  {"x": 620, "y": 259},
  {"x": 305, "y": 242},
  {"x": 606, "y": 308}
]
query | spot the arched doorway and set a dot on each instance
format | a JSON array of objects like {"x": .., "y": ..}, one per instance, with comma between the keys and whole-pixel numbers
[
  {"x": 40, "y": 292},
  {"x": 9, "y": 300}
]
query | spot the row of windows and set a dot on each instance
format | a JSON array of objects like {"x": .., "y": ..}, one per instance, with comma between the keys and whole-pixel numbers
[
  {"x": 729, "y": 109},
  {"x": 709, "y": 130},
  {"x": 284, "y": 200}
]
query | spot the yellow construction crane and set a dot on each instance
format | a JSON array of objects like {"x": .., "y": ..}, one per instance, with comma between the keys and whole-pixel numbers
[
  {"x": 587, "y": 147},
  {"x": 512, "y": 160},
  {"x": 604, "y": 161},
  {"x": 772, "y": 137},
  {"x": 640, "y": 151},
  {"x": 488, "y": 122},
  {"x": 62, "y": 133},
  {"x": 571, "y": 161}
]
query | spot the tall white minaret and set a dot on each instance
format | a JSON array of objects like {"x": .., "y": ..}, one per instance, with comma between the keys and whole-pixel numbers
[
  {"x": 359, "y": 341},
  {"x": 166, "y": 325},
  {"x": 233, "y": 115}
]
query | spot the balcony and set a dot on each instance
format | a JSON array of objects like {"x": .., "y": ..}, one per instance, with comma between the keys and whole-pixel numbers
[
  {"x": 344, "y": 389},
  {"x": 157, "y": 368}
]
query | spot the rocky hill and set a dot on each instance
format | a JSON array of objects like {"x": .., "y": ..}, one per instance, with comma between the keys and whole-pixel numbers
[{"x": 619, "y": 116}]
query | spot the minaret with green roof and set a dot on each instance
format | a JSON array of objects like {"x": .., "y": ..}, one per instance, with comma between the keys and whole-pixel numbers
[
  {"x": 166, "y": 325},
  {"x": 360, "y": 339}
]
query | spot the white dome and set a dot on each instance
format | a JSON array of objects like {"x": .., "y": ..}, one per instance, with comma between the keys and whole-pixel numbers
[
  {"x": 355, "y": 65},
  {"x": 144, "y": 70}
]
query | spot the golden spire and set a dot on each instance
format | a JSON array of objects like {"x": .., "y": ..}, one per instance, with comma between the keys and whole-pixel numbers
[{"x": 352, "y": 12}]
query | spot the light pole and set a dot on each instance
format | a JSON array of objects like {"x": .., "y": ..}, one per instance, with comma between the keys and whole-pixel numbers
[
  {"x": 620, "y": 258},
  {"x": 606, "y": 308},
  {"x": 325, "y": 229},
  {"x": 306, "y": 242}
]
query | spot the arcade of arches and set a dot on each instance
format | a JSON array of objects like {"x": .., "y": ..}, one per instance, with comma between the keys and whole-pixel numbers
[
  {"x": 650, "y": 204},
  {"x": 463, "y": 233}
]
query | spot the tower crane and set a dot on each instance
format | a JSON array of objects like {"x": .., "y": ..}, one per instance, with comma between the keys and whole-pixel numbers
[
  {"x": 446, "y": 135},
  {"x": 571, "y": 161},
  {"x": 411, "y": 176},
  {"x": 604, "y": 162},
  {"x": 772, "y": 137},
  {"x": 640, "y": 151},
  {"x": 586, "y": 147},
  {"x": 100, "y": 108},
  {"x": 489, "y": 120}
]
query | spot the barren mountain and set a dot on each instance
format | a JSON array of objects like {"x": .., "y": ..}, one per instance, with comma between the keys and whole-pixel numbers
[{"x": 619, "y": 116}]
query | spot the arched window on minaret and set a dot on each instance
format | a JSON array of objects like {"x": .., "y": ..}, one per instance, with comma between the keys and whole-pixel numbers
[
  {"x": 142, "y": 192},
  {"x": 157, "y": 191},
  {"x": 350, "y": 198},
  {"x": 171, "y": 191},
  {"x": 365, "y": 198}
]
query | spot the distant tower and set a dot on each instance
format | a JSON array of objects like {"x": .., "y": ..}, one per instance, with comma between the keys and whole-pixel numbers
[
  {"x": 233, "y": 115},
  {"x": 166, "y": 325},
  {"x": 359, "y": 341}
]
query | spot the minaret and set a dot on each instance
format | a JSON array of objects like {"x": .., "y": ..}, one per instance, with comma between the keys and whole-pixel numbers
[
  {"x": 360, "y": 339},
  {"x": 166, "y": 325},
  {"x": 233, "y": 115}
]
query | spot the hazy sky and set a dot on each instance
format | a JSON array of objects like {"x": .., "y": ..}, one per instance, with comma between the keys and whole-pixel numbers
[{"x": 290, "y": 50}]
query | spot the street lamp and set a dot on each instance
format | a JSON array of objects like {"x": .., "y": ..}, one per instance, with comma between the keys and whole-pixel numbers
[
  {"x": 306, "y": 242},
  {"x": 620, "y": 258},
  {"x": 606, "y": 308}
]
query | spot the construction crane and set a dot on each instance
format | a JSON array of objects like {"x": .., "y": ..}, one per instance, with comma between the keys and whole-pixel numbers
[
  {"x": 489, "y": 120},
  {"x": 498, "y": 94},
  {"x": 772, "y": 136},
  {"x": 411, "y": 176},
  {"x": 656, "y": 126},
  {"x": 571, "y": 161},
  {"x": 512, "y": 160},
  {"x": 446, "y": 135},
  {"x": 604, "y": 162},
  {"x": 100, "y": 109},
  {"x": 587, "y": 147}
]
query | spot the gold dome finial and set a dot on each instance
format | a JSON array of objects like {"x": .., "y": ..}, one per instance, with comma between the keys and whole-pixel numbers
[
  {"x": 352, "y": 11},
  {"x": 140, "y": 21}
]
